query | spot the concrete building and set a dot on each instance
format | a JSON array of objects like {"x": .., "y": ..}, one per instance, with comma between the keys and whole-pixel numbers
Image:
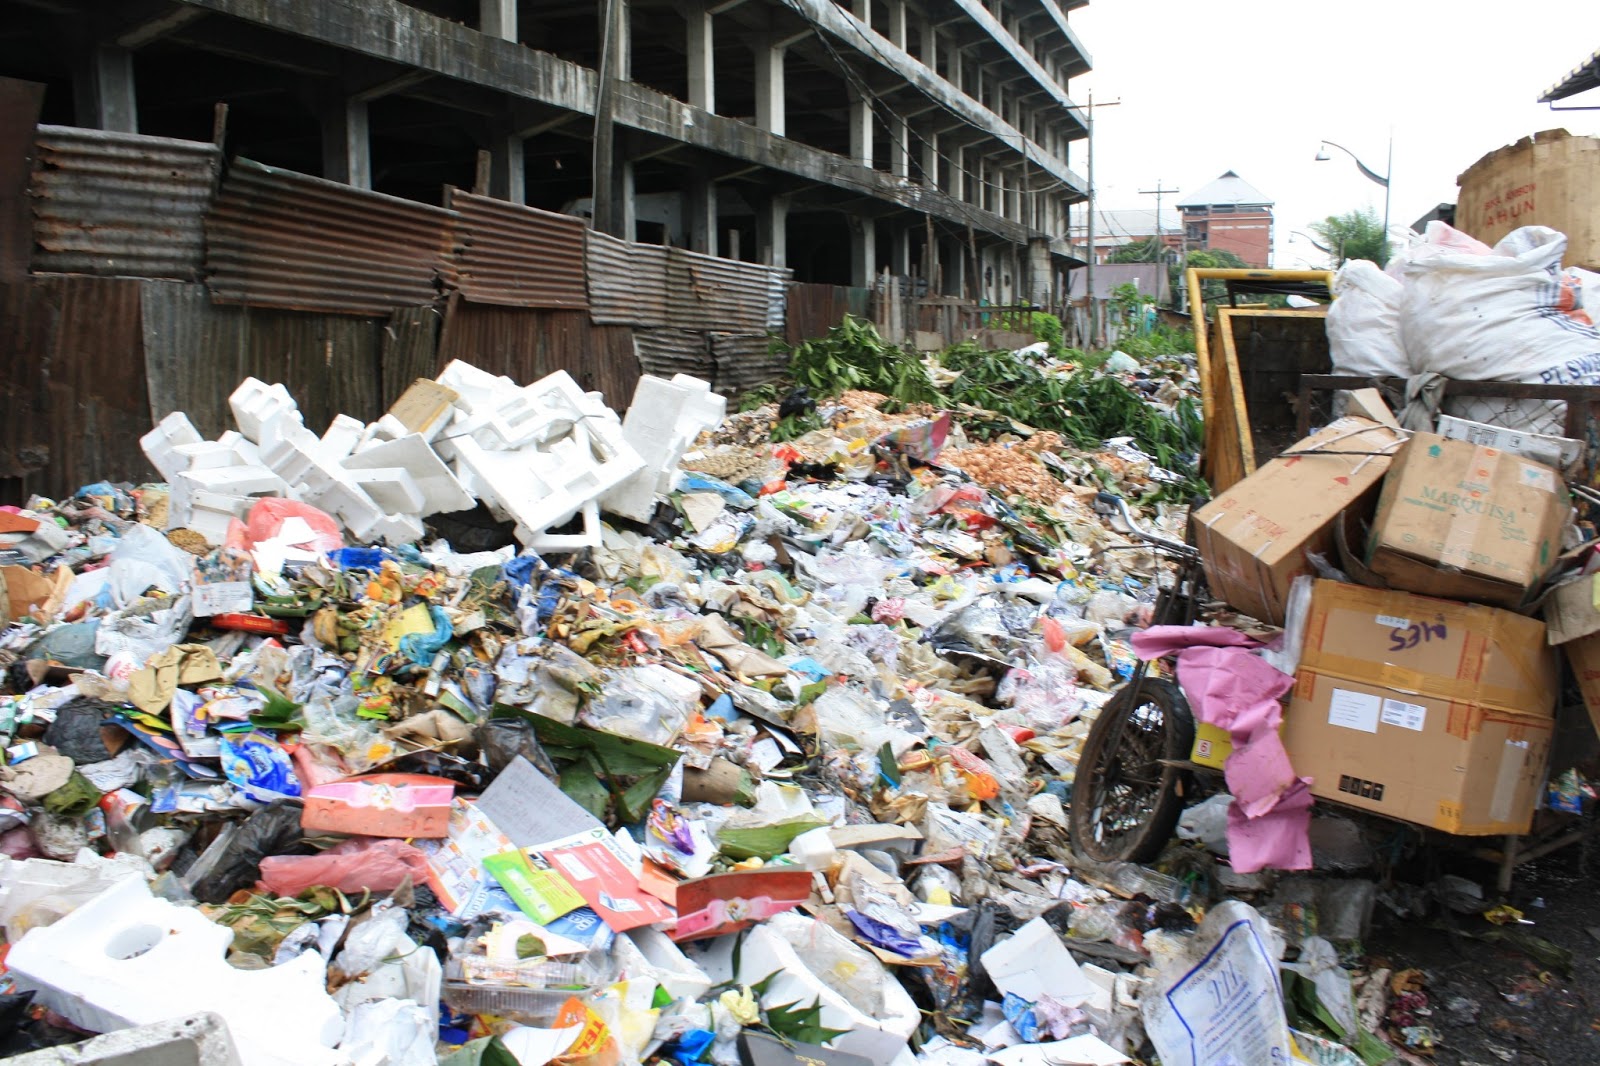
[
  {"x": 1230, "y": 215},
  {"x": 928, "y": 138}
]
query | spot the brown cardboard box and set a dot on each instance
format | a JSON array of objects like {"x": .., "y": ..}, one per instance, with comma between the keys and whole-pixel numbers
[
  {"x": 1573, "y": 621},
  {"x": 1425, "y": 710},
  {"x": 1467, "y": 522},
  {"x": 1255, "y": 537}
]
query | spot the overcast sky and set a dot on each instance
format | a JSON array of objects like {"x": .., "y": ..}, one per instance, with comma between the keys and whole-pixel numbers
[{"x": 1213, "y": 85}]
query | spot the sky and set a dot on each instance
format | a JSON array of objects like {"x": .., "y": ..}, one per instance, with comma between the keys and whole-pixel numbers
[{"x": 1213, "y": 85}]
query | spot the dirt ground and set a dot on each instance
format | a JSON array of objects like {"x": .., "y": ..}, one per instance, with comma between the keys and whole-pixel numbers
[{"x": 1491, "y": 1003}]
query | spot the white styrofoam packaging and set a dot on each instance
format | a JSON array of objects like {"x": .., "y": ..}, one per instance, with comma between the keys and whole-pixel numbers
[
  {"x": 441, "y": 492},
  {"x": 160, "y": 444},
  {"x": 255, "y": 404},
  {"x": 127, "y": 958},
  {"x": 662, "y": 423}
]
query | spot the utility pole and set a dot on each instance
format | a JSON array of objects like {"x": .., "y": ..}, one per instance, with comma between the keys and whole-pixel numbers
[
  {"x": 1158, "y": 192},
  {"x": 1088, "y": 271},
  {"x": 604, "y": 200}
]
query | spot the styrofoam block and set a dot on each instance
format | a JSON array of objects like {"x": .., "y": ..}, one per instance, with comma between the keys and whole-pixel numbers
[
  {"x": 478, "y": 389},
  {"x": 589, "y": 537},
  {"x": 334, "y": 492},
  {"x": 391, "y": 488},
  {"x": 209, "y": 455},
  {"x": 342, "y": 435},
  {"x": 235, "y": 481},
  {"x": 126, "y": 958},
  {"x": 396, "y": 529},
  {"x": 201, "y": 1039},
  {"x": 543, "y": 487},
  {"x": 441, "y": 491},
  {"x": 246, "y": 449},
  {"x": 255, "y": 403},
  {"x": 292, "y": 452},
  {"x": 171, "y": 432}
]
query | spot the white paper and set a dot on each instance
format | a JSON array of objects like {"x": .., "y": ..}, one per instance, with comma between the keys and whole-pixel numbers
[
  {"x": 1034, "y": 962},
  {"x": 1354, "y": 710},
  {"x": 223, "y": 597},
  {"x": 1225, "y": 1011},
  {"x": 1405, "y": 715},
  {"x": 527, "y": 807},
  {"x": 1085, "y": 1050},
  {"x": 1389, "y": 621},
  {"x": 535, "y": 1047}
]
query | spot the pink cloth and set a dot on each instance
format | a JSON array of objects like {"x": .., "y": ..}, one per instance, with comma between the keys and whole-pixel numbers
[{"x": 1230, "y": 687}]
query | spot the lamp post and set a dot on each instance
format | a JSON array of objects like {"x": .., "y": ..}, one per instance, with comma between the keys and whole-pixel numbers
[{"x": 1371, "y": 175}]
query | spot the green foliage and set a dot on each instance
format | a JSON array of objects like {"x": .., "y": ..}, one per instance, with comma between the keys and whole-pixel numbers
[
  {"x": 853, "y": 356},
  {"x": 1159, "y": 341},
  {"x": 792, "y": 427},
  {"x": 800, "y": 1025},
  {"x": 1352, "y": 235},
  {"x": 1211, "y": 292},
  {"x": 1148, "y": 250},
  {"x": 756, "y": 397}
]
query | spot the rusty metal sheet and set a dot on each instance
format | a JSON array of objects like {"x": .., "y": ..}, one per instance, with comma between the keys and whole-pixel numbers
[
  {"x": 517, "y": 256},
  {"x": 627, "y": 281},
  {"x": 743, "y": 361},
  {"x": 707, "y": 292},
  {"x": 196, "y": 352},
  {"x": 813, "y": 309},
  {"x": 777, "y": 300},
  {"x": 120, "y": 204},
  {"x": 275, "y": 238},
  {"x": 72, "y": 385},
  {"x": 526, "y": 344},
  {"x": 410, "y": 350},
  {"x": 19, "y": 112},
  {"x": 665, "y": 352}
]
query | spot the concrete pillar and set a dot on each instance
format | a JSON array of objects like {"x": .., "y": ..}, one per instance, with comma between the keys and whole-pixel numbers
[
  {"x": 863, "y": 251},
  {"x": 508, "y": 174},
  {"x": 1039, "y": 271},
  {"x": 957, "y": 74},
  {"x": 930, "y": 159},
  {"x": 862, "y": 10},
  {"x": 860, "y": 129},
  {"x": 772, "y": 231},
  {"x": 958, "y": 174},
  {"x": 930, "y": 45},
  {"x": 897, "y": 22},
  {"x": 625, "y": 201},
  {"x": 102, "y": 90},
  {"x": 702, "y": 58},
  {"x": 899, "y": 147},
  {"x": 498, "y": 18},
  {"x": 346, "y": 143},
  {"x": 901, "y": 252},
  {"x": 955, "y": 270},
  {"x": 700, "y": 214},
  {"x": 624, "y": 40},
  {"x": 769, "y": 88}
]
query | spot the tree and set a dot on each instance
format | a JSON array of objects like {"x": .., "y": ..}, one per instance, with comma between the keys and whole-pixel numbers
[
  {"x": 1352, "y": 235},
  {"x": 1148, "y": 250},
  {"x": 1208, "y": 259}
]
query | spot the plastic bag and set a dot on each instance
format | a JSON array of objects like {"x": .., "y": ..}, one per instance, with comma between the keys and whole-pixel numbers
[
  {"x": 1364, "y": 322},
  {"x": 387, "y": 964},
  {"x": 269, "y": 513},
  {"x": 274, "y": 830},
  {"x": 143, "y": 560},
  {"x": 1511, "y": 315},
  {"x": 354, "y": 866},
  {"x": 649, "y": 703},
  {"x": 501, "y": 740},
  {"x": 396, "y": 1032}
]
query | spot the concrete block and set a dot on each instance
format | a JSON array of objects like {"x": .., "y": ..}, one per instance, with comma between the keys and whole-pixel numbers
[
  {"x": 127, "y": 959},
  {"x": 341, "y": 438},
  {"x": 198, "y": 1040},
  {"x": 171, "y": 432},
  {"x": 391, "y": 488},
  {"x": 441, "y": 492},
  {"x": 255, "y": 403}
]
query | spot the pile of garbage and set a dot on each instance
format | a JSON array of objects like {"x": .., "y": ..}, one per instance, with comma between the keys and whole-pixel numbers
[{"x": 772, "y": 763}]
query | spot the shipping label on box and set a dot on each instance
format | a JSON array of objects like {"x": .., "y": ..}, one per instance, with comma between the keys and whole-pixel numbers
[
  {"x": 1421, "y": 709},
  {"x": 1467, "y": 522}
]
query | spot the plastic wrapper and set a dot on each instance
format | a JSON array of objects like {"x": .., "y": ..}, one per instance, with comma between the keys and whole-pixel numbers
[
  {"x": 501, "y": 740},
  {"x": 649, "y": 703},
  {"x": 355, "y": 866},
  {"x": 273, "y": 830}
]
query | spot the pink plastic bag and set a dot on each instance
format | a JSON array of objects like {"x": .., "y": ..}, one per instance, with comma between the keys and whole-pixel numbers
[
  {"x": 358, "y": 865},
  {"x": 267, "y": 516}
]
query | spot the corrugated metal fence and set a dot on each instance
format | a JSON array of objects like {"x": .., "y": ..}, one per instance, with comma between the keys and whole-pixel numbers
[{"x": 203, "y": 272}]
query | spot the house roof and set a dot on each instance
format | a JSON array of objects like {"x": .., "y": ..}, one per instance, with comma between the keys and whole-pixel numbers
[
  {"x": 1230, "y": 188},
  {"x": 1121, "y": 226},
  {"x": 1584, "y": 76}
]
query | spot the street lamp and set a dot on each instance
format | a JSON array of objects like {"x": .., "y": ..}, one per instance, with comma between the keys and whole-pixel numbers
[{"x": 1370, "y": 174}]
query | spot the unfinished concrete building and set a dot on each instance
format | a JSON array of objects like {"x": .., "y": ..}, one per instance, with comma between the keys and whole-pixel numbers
[{"x": 923, "y": 138}]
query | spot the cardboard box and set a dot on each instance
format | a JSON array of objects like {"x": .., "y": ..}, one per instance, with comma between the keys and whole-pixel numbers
[
  {"x": 1255, "y": 537},
  {"x": 1572, "y": 620},
  {"x": 1467, "y": 522},
  {"x": 1424, "y": 710}
]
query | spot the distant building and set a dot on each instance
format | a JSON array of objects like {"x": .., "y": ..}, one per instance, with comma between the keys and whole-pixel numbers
[
  {"x": 1118, "y": 229},
  {"x": 1229, "y": 215}
]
